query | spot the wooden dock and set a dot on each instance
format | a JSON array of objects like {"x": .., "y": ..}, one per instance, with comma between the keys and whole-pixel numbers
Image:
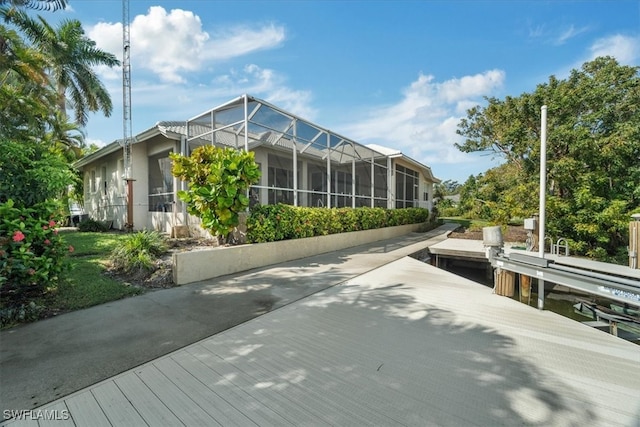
[{"x": 405, "y": 344}]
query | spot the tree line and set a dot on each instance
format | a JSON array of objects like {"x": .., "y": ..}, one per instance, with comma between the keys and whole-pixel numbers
[
  {"x": 593, "y": 158},
  {"x": 48, "y": 88}
]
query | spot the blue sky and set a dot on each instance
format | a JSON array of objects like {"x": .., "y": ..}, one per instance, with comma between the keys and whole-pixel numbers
[{"x": 394, "y": 73}]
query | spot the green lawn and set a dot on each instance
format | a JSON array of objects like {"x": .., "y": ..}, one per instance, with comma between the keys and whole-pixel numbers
[
  {"x": 92, "y": 243},
  {"x": 471, "y": 224},
  {"x": 86, "y": 284}
]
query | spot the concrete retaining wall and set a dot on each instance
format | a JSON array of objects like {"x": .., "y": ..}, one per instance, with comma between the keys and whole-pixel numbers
[{"x": 205, "y": 264}]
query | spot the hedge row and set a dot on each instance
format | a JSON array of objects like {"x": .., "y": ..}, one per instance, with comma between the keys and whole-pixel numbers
[{"x": 270, "y": 223}]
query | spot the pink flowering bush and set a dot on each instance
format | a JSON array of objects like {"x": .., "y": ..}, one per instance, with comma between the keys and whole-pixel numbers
[{"x": 32, "y": 254}]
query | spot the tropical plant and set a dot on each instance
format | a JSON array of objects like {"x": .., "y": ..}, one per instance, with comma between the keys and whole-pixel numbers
[
  {"x": 31, "y": 173},
  {"x": 27, "y": 101},
  {"x": 70, "y": 56},
  {"x": 219, "y": 179},
  {"x": 50, "y": 5},
  {"x": 32, "y": 253},
  {"x": 137, "y": 252},
  {"x": 91, "y": 225},
  {"x": 269, "y": 223}
]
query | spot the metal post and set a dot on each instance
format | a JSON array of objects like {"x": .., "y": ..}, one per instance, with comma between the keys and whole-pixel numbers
[
  {"x": 634, "y": 240},
  {"x": 295, "y": 162},
  {"x": 543, "y": 191},
  {"x": 353, "y": 183},
  {"x": 129, "y": 224},
  {"x": 246, "y": 123},
  {"x": 373, "y": 177},
  {"x": 390, "y": 175},
  {"x": 328, "y": 171}
]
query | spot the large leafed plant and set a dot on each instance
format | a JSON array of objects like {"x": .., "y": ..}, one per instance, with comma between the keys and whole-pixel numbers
[{"x": 218, "y": 182}]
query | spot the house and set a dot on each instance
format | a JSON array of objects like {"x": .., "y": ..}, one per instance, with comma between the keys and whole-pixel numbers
[{"x": 302, "y": 164}]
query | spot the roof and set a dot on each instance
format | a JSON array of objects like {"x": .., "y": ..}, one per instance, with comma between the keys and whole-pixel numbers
[
  {"x": 169, "y": 129},
  {"x": 394, "y": 154},
  {"x": 267, "y": 125}
]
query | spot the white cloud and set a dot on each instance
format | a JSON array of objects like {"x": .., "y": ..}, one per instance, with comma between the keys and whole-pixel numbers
[
  {"x": 537, "y": 31},
  {"x": 149, "y": 98},
  {"x": 555, "y": 35},
  {"x": 241, "y": 40},
  {"x": 569, "y": 33},
  {"x": 171, "y": 44},
  {"x": 266, "y": 84},
  {"x": 423, "y": 123},
  {"x": 626, "y": 49}
]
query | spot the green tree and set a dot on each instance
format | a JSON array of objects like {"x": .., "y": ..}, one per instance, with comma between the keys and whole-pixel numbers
[
  {"x": 32, "y": 173},
  {"x": 593, "y": 151},
  {"x": 450, "y": 187},
  {"x": 218, "y": 181},
  {"x": 27, "y": 101},
  {"x": 468, "y": 205},
  {"x": 70, "y": 56}
]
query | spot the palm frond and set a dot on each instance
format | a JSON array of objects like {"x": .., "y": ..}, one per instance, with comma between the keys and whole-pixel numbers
[{"x": 50, "y": 5}]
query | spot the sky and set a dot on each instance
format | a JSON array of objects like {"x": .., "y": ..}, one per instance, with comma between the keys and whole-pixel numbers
[{"x": 400, "y": 74}]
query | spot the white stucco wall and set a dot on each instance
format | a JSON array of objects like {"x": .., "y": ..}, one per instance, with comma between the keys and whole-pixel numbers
[
  {"x": 193, "y": 266},
  {"x": 105, "y": 203}
]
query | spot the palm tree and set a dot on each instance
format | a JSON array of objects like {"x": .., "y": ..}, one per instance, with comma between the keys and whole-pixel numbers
[
  {"x": 70, "y": 57},
  {"x": 50, "y": 5},
  {"x": 26, "y": 96}
]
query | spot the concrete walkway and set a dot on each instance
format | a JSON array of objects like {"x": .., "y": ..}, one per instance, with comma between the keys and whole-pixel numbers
[{"x": 46, "y": 360}]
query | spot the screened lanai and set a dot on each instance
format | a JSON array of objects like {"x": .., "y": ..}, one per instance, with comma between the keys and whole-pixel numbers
[{"x": 302, "y": 164}]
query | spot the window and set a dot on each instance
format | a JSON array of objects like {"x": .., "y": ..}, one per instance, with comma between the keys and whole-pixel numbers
[
  {"x": 380, "y": 183},
  {"x": 120, "y": 177},
  {"x": 341, "y": 188},
  {"x": 160, "y": 183},
  {"x": 406, "y": 187},
  {"x": 103, "y": 178},
  {"x": 317, "y": 179},
  {"x": 280, "y": 180},
  {"x": 93, "y": 185}
]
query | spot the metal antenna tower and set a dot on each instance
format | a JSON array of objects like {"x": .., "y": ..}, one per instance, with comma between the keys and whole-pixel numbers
[
  {"x": 126, "y": 111},
  {"x": 126, "y": 89}
]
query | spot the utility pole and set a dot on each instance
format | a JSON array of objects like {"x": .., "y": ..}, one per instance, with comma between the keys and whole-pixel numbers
[{"x": 543, "y": 198}]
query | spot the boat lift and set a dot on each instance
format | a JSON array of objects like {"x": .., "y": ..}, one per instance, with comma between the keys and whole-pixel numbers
[{"x": 604, "y": 284}]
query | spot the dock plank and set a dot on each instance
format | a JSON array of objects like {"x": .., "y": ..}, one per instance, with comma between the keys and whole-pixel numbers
[
  {"x": 115, "y": 405},
  {"x": 236, "y": 375},
  {"x": 289, "y": 383},
  {"x": 174, "y": 398},
  {"x": 406, "y": 344},
  {"x": 148, "y": 405},
  {"x": 57, "y": 415},
  {"x": 221, "y": 410},
  {"x": 194, "y": 360},
  {"x": 22, "y": 422},
  {"x": 86, "y": 411}
]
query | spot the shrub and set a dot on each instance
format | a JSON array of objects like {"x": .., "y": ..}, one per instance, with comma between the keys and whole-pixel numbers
[
  {"x": 138, "y": 252},
  {"x": 28, "y": 312},
  {"x": 218, "y": 181},
  {"x": 92, "y": 225},
  {"x": 32, "y": 254},
  {"x": 271, "y": 223}
]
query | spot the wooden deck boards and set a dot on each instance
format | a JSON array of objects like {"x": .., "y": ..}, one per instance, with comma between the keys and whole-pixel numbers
[{"x": 406, "y": 344}]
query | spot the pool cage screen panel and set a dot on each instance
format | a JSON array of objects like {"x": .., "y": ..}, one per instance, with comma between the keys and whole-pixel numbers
[{"x": 307, "y": 165}]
